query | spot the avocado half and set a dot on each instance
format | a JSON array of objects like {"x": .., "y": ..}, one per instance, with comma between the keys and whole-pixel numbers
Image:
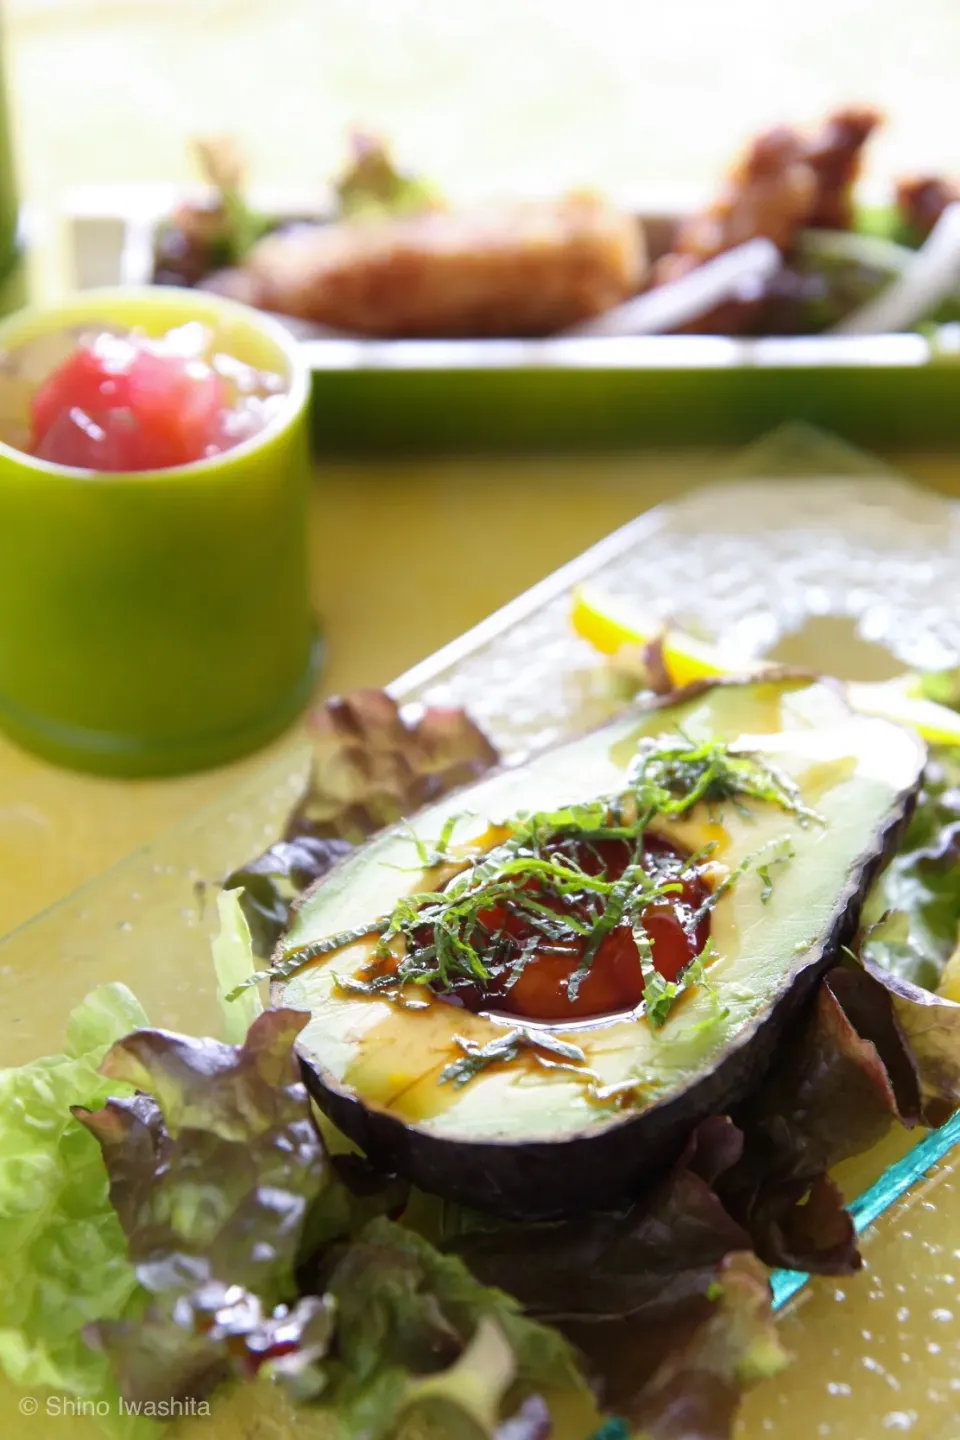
[{"x": 528, "y": 1142}]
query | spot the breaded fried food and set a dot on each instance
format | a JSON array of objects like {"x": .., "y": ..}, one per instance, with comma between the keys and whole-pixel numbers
[
  {"x": 786, "y": 181},
  {"x": 509, "y": 270}
]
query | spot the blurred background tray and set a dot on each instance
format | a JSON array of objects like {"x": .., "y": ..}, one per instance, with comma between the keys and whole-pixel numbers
[{"x": 488, "y": 396}]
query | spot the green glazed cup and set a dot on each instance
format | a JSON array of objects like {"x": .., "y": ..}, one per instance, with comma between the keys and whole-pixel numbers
[{"x": 156, "y": 623}]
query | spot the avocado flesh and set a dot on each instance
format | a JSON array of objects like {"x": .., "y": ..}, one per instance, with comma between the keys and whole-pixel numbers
[{"x": 527, "y": 1141}]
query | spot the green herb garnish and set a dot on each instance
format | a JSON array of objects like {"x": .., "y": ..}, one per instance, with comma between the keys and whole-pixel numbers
[
  {"x": 777, "y": 852},
  {"x": 372, "y": 188},
  {"x": 453, "y": 939},
  {"x": 430, "y": 858},
  {"x": 506, "y": 1048},
  {"x": 449, "y": 940},
  {"x": 660, "y": 995},
  {"x": 223, "y": 167},
  {"x": 619, "y": 1091},
  {"x": 300, "y": 955},
  {"x": 669, "y": 776},
  {"x": 781, "y": 852}
]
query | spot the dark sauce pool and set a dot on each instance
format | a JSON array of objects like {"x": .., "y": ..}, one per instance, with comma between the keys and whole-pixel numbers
[{"x": 539, "y": 988}]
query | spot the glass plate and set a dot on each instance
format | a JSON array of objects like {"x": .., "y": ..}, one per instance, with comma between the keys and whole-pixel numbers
[{"x": 812, "y": 552}]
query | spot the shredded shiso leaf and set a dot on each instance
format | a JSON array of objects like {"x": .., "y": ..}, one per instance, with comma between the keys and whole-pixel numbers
[{"x": 442, "y": 938}]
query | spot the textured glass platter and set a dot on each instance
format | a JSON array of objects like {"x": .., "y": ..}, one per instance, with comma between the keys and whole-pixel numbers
[{"x": 845, "y": 572}]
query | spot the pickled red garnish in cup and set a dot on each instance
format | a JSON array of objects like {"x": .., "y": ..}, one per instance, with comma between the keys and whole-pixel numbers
[
  {"x": 155, "y": 608},
  {"x": 125, "y": 402}
]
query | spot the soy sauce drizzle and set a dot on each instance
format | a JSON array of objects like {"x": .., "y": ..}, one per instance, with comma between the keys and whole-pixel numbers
[{"x": 443, "y": 940}]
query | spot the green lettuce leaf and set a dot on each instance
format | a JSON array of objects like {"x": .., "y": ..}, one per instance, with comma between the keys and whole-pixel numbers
[
  {"x": 372, "y": 188},
  {"x": 184, "y": 1346},
  {"x": 911, "y": 926},
  {"x": 253, "y": 1249},
  {"x": 464, "y": 1402},
  {"x": 375, "y": 763},
  {"x": 63, "y": 1261},
  {"x": 233, "y": 226},
  {"x": 922, "y": 884},
  {"x": 267, "y": 887},
  {"x": 406, "y": 1310},
  {"x": 943, "y": 687},
  {"x": 233, "y": 963},
  {"x": 213, "y": 1173}
]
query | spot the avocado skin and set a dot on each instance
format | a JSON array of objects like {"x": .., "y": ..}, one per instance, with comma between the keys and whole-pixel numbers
[{"x": 543, "y": 1180}]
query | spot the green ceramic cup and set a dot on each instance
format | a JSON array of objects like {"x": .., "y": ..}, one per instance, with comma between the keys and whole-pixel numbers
[{"x": 156, "y": 623}]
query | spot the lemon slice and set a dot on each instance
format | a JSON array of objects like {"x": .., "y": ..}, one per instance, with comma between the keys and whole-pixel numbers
[{"x": 609, "y": 625}]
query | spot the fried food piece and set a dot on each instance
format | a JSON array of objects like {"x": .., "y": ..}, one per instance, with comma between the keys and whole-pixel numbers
[
  {"x": 922, "y": 199},
  {"x": 785, "y": 182},
  {"x": 835, "y": 156},
  {"x": 234, "y": 283},
  {"x": 498, "y": 271},
  {"x": 768, "y": 194}
]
